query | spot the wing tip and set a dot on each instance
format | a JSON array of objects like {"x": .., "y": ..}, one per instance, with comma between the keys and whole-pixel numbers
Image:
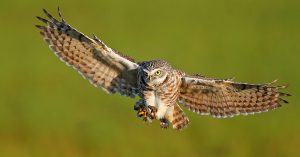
[
  {"x": 45, "y": 11},
  {"x": 43, "y": 20},
  {"x": 39, "y": 26},
  {"x": 60, "y": 15}
]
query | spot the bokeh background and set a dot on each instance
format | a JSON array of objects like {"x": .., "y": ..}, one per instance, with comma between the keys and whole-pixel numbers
[{"x": 48, "y": 110}]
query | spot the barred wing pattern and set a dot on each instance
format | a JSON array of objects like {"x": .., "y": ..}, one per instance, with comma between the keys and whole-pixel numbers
[
  {"x": 101, "y": 65},
  {"x": 224, "y": 98}
]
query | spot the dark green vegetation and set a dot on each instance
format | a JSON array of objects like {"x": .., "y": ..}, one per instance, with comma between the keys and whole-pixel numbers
[{"x": 48, "y": 110}]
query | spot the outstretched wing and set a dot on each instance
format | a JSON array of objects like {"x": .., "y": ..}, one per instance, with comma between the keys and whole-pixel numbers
[
  {"x": 224, "y": 98},
  {"x": 101, "y": 65}
]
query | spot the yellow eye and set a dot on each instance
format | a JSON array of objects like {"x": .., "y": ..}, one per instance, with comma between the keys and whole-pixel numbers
[{"x": 158, "y": 72}]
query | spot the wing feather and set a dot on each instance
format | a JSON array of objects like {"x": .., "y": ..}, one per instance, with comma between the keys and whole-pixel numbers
[
  {"x": 225, "y": 98},
  {"x": 101, "y": 65}
]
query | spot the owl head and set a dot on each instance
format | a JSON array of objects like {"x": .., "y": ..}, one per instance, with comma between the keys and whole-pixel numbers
[{"x": 155, "y": 72}]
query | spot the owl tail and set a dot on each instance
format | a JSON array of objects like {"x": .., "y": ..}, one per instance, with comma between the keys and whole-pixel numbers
[{"x": 179, "y": 120}]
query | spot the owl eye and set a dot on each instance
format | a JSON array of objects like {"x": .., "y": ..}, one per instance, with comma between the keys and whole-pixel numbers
[{"x": 158, "y": 72}]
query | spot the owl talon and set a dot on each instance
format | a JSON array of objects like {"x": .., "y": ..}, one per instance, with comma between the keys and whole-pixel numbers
[
  {"x": 153, "y": 111},
  {"x": 142, "y": 113},
  {"x": 164, "y": 124}
]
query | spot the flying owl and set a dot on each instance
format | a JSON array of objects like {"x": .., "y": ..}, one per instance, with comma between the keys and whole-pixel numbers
[{"x": 159, "y": 86}]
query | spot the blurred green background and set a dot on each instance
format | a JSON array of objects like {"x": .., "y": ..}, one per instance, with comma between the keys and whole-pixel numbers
[{"x": 48, "y": 110}]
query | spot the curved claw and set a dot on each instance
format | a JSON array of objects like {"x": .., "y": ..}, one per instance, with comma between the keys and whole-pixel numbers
[
  {"x": 141, "y": 113},
  {"x": 153, "y": 111},
  {"x": 144, "y": 114},
  {"x": 164, "y": 124},
  {"x": 147, "y": 113}
]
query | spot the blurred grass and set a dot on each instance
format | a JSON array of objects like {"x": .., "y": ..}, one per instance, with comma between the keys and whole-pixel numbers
[{"x": 48, "y": 110}]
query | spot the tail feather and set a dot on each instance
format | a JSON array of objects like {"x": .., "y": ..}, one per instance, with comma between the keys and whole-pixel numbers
[{"x": 179, "y": 119}]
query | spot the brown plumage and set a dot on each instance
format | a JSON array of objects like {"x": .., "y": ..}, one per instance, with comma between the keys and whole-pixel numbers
[
  {"x": 102, "y": 66},
  {"x": 224, "y": 98},
  {"x": 179, "y": 120},
  {"x": 158, "y": 85}
]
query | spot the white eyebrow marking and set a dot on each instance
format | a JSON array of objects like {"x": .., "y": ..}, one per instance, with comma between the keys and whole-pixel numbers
[{"x": 147, "y": 71}]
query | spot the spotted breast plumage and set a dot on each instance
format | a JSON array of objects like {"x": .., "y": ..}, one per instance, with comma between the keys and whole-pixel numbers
[{"x": 161, "y": 88}]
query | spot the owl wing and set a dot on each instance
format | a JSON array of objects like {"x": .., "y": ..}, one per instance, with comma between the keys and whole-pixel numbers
[
  {"x": 224, "y": 98},
  {"x": 101, "y": 65}
]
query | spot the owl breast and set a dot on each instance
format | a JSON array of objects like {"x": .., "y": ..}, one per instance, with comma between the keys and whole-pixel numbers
[{"x": 163, "y": 96}]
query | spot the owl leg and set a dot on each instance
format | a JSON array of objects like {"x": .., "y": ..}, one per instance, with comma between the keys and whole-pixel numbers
[{"x": 161, "y": 115}]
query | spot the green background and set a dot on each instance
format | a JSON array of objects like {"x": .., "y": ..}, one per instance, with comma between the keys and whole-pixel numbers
[{"x": 48, "y": 110}]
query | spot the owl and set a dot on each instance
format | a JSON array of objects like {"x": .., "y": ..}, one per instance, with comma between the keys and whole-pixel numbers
[{"x": 162, "y": 89}]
